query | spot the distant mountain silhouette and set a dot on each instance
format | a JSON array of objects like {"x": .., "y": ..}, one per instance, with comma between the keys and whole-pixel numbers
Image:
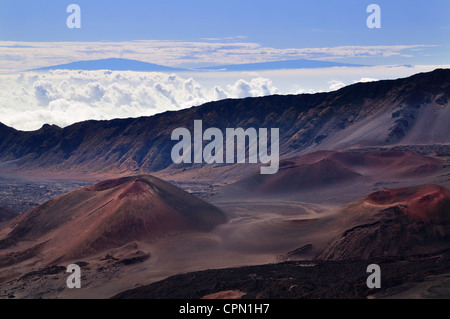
[
  {"x": 277, "y": 65},
  {"x": 118, "y": 64},
  {"x": 113, "y": 64},
  {"x": 413, "y": 110}
]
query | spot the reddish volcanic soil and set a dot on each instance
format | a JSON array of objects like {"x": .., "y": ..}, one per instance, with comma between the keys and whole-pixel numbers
[
  {"x": 395, "y": 222},
  {"x": 429, "y": 204},
  {"x": 390, "y": 163},
  {"x": 107, "y": 215},
  {"x": 331, "y": 169}
]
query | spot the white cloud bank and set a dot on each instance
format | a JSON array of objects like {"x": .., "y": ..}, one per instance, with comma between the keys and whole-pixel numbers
[{"x": 30, "y": 99}]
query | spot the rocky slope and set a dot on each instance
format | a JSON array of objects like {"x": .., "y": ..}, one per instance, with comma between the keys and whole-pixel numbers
[
  {"x": 106, "y": 215},
  {"x": 395, "y": 222},
  {"x": 419, "y": 276},
  {"x": 413, "y": 110}
]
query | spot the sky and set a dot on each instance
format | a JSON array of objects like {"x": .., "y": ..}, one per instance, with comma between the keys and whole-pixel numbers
[
  {"x": 414, "y": 37},
  {"x": 280, "y": 23}
]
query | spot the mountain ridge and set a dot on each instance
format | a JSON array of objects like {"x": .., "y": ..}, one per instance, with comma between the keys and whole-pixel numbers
[{"x": 411, "y": 110}]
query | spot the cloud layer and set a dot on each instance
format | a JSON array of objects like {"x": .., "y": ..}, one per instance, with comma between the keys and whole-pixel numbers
[
  {"x": 30, "y": 99},
  {"x": 20, "y": 56}
]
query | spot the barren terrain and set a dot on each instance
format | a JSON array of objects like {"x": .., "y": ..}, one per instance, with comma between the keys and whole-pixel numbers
[{"x": 364, "y": 178}]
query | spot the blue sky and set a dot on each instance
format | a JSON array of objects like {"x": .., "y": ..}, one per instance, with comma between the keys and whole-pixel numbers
[
  {"x": 280, "y": 23},
  {"x": 414, "y": 37}
]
